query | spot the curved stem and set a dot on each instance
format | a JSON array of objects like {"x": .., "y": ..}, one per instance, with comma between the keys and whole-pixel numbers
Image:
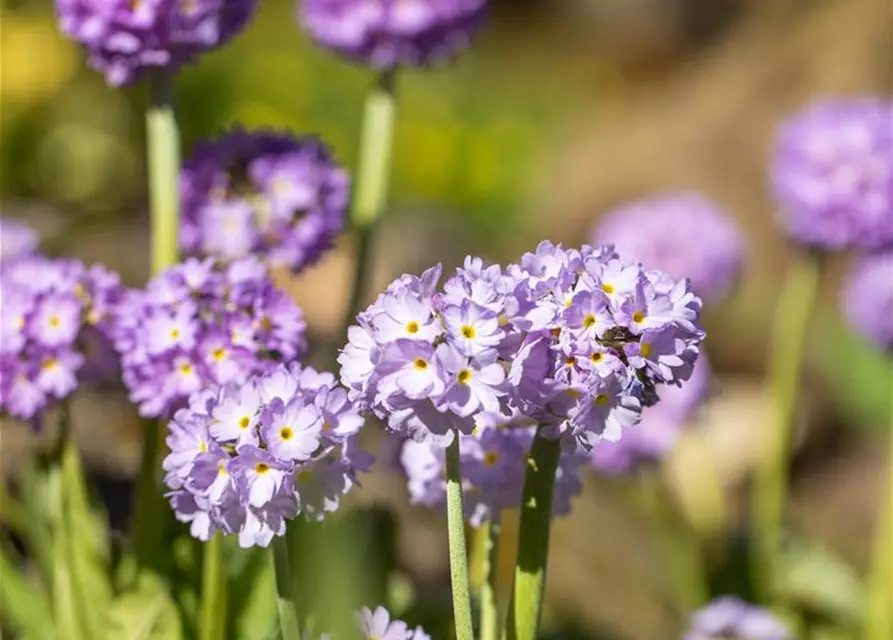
[
  {"x": 795, "y": 307},
  {"x": 372, "y": 177},
  {"x": 533, "y": 538},
  {"x": 458, "y": 551},
  {"x": 212, "y": 624},
  {"x": 879, "y": 612},
  {"x": 491, "y": 625},
  {"x": 288, "y": 613}
]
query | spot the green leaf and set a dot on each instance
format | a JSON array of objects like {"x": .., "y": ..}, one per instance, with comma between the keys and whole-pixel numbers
[
  {"x": 35, "y": 491},
  {"x": 145, "y": 612},
  {"x": 821, "y": 584},
  {"x": 253, "y": 597},
  {"x": 25, "y": 605}
]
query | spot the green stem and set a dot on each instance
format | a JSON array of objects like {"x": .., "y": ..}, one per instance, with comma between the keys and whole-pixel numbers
[
  {"x": 491, "y": 624},
  {"x": 677, "y": 544},
  {"x": 794, "y": 310},
  {"x": 212, "y": 624},
  {"x": 149, "y": 502},
  {"x": 372, "y": 178},
  {"x": 879, "y": 612},
  {"x": 288, "y": 614},
  {"x": 533, "y": 538},
  {"x": 458, "y": 551}
]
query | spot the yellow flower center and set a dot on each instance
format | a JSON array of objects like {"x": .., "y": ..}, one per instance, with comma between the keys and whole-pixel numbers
[
  {"x": 261, "y": 468},
  {"x": 573, "y": 393},
  {"x": 186, "y": 369},
  {"x": 49, "y": 364},
  {"x": 463, "y": 376},
  {"x": 202, "y": 446},
  {"x": 638, "y": 317},
  {"x": 589, "y": 320},
  {"x": 54, "y": 321},
  {"x": 219, "y": 354},
  {"x": 412, "y": 327},
  {"x": 596, "y": 357},
  {"x": 286, "y": 433},
  {"x": 326, "y": 426},
  {"x": 601, "y": 400},
  {"x": 608, "y": 288},
  {"x": 420, "y": 364},
  {"x": 244, "y": 421},
  {"x": 175, "y": 333},
  {"x": 221, "y": 468},
  {"x": 491, "y": 458},
  {"x": 646, "y": 349},
  {"x": 570, "y": 361},
  {"x": 468, "y": 331}
]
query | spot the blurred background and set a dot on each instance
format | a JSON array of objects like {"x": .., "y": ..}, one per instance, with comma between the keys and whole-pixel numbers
[{"x": 563, "y": 110}]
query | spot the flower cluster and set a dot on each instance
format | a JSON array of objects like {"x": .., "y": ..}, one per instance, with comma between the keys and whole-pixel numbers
[
  {"x": 55, "y": 320},
  {"x": 244, "y": 458},
  {"x": 264, "y": 193},
  {"x": 125, "y": 39},
  {"x": 653, "y": 438},
  {"x": 867, "y": 298},
  {"x": 494, "y": 462},
  {"x": 387, "y": 34},
  {"x": 684, "y": 234},
  {"x": 730, "y": 617},
  {"x": 16, "y": 239},
  {"x": 378, "y": 625},
  {"x": 833, "y": 174},
  {"x": 575, "y": 340},
  {"x": 200, "y": 323}
]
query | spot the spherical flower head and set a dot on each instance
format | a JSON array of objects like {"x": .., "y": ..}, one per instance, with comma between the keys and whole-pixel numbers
[
  {"x": 201, "y": 323},
  {"x": 126, "y": 39},
  {"x": 867, "y": 298},
  {"x": 728, "y": 617},
  {"x": 833, "y": 174},
  {"x": 247, "y": 457},
  {"x": 16, "y": 239},
  {"x": 655, "y": 436},
  {"x": 574, "y": 340},
  {"x": 683, "y": 234},
  {"x": 271, "y": 194},
  {"x": 385, "y": 34},
  {"x": 55, "y": 329}
]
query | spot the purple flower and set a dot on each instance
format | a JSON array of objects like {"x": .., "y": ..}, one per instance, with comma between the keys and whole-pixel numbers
[
  {"x": 660, "y": 427},
  {"x": 731, "y": 617},
  {"x": 867, "y": 298},
  {"x": 55, "y": 328},
  {"x": 682, "y": 234},
  {"x": 385, "y": 34},
  {"x": 204, "y": 323},
  {"x": 833, "y": 174},
  {"x": 247, "y": 457},
  {"x": 378, "y": 625},
  {"x": 125, "y": 39},
  {"x": 267, "y": 193},
  {"x": 17, "y": 239}
]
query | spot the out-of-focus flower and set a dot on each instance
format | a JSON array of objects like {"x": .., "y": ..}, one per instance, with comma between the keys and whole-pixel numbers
[
  {"x": 16, "y": 239},
  {"x": 657, "y": 433},
  {"x": 728, "y": 617},
  {"x": 867, "y": 298},
  {"x": 378, "y": 625},
  {"x": 682, "y": 234},
  {"x": 125, "y": 39},
  {"x": 201, "y": 323},
  {"x": 386, "y": 34},
  {"x": 833, "y": 174},
  {"x": 494, "y": 462},
  {"x": 271, "y": 194},
  {"x": 245, "y": 458},
  {"x": 574, "y": 340},
  {"x": 55, "y": 324}
]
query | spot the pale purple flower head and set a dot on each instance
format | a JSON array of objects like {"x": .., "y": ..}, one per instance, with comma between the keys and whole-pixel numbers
[
  {"x": 125, "y": 39},
  {"x": 55, "y": 329},
  {"x": 574, "y": 340},
  {"x": 385, "y": 34},
  {"x": 653, "y": 438},
  {"x": 247, "y": 457},
  {"x": 16, "y": 239},
  {"x": 267, "y": 193},
  {"x": 682, "y": 234},
  {"x": 833, "y": 174},
  {"x": 867, "y": 298},
  {"x": 730, "y": 618},
  {"x": 202, "y": 323},
  {"x": 378, "y": 625}
]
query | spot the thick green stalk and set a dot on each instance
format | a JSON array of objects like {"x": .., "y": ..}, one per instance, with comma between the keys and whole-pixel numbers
[
  {"x": 372, "y": 177},
  {"x": 458, "y": 551},
  {"x": 533, "y": 539},
  {"x": 879, "y": 612},
  {"x": 491, "y": 624},
  {"x": 794, "y": 310},
  {"x": 212, "y": 624},
  {"x": 678, "y": 546},
  {"x": 288, "y": 613}
]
